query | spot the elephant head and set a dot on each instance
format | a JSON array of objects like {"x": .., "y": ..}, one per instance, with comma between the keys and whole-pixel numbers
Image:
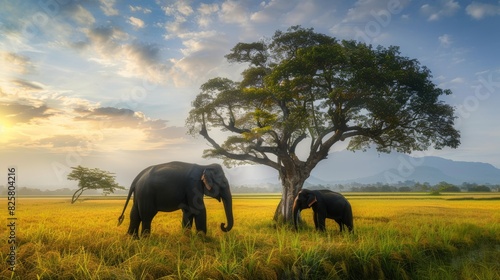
[
  {"x": 217, "y": 186},
  {"x": 305, "y": 199}
]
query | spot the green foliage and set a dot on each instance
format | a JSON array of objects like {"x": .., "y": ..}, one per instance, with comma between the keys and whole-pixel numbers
[
  {"x": 446, "y": 187},
  {"x": 92, "y": 179},
  {"x": 301, "y": 84}
]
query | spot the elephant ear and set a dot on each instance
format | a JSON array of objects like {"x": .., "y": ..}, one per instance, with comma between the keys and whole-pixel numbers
[
  {"x": 311, "y": 199},
  {"x": 207, "y": 179}
]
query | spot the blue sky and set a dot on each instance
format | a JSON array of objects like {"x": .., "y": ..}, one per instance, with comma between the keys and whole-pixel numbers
[{"x": 109, "y": 84}]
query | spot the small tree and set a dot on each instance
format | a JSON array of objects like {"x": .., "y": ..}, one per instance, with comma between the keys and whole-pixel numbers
[
  {"x": 307, "y": 90},
  {"x": 92, "y": 179}
]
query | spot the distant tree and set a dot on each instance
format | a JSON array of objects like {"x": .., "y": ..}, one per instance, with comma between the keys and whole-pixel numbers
[
  {"x": 307, "y": 91},
  {"x": 446, "y": 187},
  {"x": 479, "y": 188},
  {"x": 404, "y": 189},
  {"x": 92, "y": 179},
  {"x": 419, "y": 187}
]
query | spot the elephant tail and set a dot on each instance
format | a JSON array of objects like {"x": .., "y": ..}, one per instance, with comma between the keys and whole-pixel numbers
[{"x": 122, "y": 216}]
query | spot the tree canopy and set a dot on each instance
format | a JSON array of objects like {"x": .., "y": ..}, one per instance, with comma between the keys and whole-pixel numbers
[
  {"x": 92, "y": 178},
  {"x": 302, "y": 88}
]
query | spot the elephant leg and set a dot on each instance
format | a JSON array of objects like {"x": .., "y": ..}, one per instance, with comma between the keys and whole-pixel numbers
[
  {"x": 321, "y": 222},
  {"x": 201, "y": 221},
  {"x": 146, "y": 223},
  {"x": 187, "y": 219},
  {"x": 135, "y": 222},
  {"x": 315, "y": 218},
  {"x": 341, "y": 225}
]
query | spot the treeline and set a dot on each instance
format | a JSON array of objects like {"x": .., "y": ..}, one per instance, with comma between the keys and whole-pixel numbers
[
  {"x": 411, "y": 186},
  {"x": 407, "y": 186},
  {"x": 58, "y": 192}
]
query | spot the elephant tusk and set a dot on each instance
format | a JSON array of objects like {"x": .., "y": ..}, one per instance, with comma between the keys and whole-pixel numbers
[
  {"x": 314, "y": 201},
  {"x": 205, "y": 182}
]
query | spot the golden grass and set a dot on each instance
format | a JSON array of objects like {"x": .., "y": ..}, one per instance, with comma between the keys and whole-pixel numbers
[{"x": 396, "y": 237}]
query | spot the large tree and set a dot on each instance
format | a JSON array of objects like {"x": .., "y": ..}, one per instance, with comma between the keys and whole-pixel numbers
[{"x": 306, "y": 90}]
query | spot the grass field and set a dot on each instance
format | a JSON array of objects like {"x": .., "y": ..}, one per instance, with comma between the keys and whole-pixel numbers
[{"x": 415, "y": 236}]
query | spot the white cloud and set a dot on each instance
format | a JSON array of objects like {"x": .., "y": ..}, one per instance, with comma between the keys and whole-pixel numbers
[
  {"x": 136, "y": 22},
  {"x": 445, "y": 40},
  {"x": 440, "y": 9},
  {"x": 206, "y": 13},
  {"x": 458, "y": 80},
  {"x": 82, "y": 16},
  {"x": 233, "y": 12},
  {"x": 368, "y": 20},
  {"x": 176, "y": 27},
  {"x": 481, "y": 10},
  {"x": 184, "y": 8},
  {"x": 178, "y": 8},
  {"x": 208, "y": 9},
  {"x": 272, "y": 11},
  {"x": 13, "y": 62},
  {"x": 107, "y": 6},
  {"x": 110, "y": 47},
  {"x": 203, "y": 53},
  {"x": 303, "y": 12},
  {"x": 139, "y": 9}
]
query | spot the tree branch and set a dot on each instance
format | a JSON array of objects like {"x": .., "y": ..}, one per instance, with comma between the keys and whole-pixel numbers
[{"x": 243, "y": 157}]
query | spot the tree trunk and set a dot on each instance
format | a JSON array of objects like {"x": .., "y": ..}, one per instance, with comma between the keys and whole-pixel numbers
[
  {"x": 76, "y": 195},
  {"x": 292, "y": 184}
]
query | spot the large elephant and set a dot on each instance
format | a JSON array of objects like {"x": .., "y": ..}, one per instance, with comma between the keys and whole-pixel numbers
[
  {"x": 172, "y": 186},
  {"x": 325, "y": 204}
]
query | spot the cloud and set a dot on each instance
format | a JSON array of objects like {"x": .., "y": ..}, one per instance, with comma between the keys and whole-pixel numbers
[
  {"x": 269, "y": 11},
  {"x": 16, "y": 62},
  {"x": 445, "y": 40},
  {"x": 233, "y": 12},
  {"x": 107, "y": 6},
  {"x": 178, "y": 8},
  {"x": 367, "y": 20},
  {"x": 106, "y": 117},
  {"x": 111, "y": 47},
  {"x": 27, "y": 85},
  {"x": 440, "y": 9},
  {"x": 203, "y": 53},
  {"x": 458, "y": 80},
  {"x": 180, "y": 11},
  {"x": 305, "y": 11},
  {"x": 15, "y": 113},
  {"x": 206, "y": 13},
  {"x": 481, "y": 10},
  {"x": 136, "y": 22},
  {"x": 60, "y": 141},
  {"x": 87, "y": 126},
  {"x": 79, "y": 14},
  {"x": 139, "y": 9}
]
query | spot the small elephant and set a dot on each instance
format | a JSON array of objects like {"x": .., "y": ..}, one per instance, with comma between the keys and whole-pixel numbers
[
  {"x": 325, "y": 204},
  {"x": 177, "y": 185}
]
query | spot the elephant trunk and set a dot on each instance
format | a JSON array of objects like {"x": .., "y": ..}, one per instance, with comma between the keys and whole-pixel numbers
[
  {"x": 295, "y": 210},
  {"x": 228, "y": 207}
]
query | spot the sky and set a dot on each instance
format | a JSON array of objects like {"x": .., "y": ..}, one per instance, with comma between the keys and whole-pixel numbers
[{"x": 109, "y": 84}]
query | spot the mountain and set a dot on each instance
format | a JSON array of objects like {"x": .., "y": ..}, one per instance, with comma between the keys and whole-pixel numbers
[{"x": 372, "y": 167}]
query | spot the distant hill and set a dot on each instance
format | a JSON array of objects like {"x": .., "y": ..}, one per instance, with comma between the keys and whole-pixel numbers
[{"x": 372, "y": 167}]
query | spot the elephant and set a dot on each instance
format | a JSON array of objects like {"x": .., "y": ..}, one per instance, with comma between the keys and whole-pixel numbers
[
  {"x": 177, "y": 185},
  {"x": 325, "y": 204}
]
